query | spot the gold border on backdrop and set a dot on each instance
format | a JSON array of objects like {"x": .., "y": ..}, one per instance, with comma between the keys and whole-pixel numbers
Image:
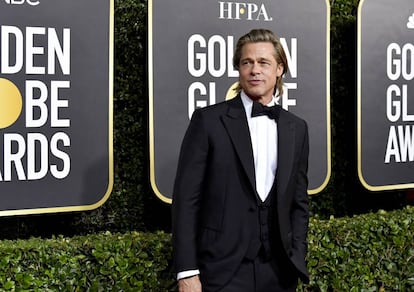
[
  {"x": 328, "y": 103},
  {"x": 151, "y": 105},
  {"x": 359, "y": 119},
  {"x": 110, "y": 142}
]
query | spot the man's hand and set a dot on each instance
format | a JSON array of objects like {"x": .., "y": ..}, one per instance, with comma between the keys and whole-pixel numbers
[{"x": 190, "y": 284}]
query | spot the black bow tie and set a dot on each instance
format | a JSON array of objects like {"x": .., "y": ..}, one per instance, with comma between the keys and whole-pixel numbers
[{"x": 260, "y": 110}]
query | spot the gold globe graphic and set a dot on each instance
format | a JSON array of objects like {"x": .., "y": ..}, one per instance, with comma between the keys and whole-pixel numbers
[
  {"x": 231, "y": 92},
  {"x": 10, "y": 103}
]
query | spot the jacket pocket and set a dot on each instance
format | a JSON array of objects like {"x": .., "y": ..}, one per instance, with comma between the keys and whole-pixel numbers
[{"x": 207, "y": 242}]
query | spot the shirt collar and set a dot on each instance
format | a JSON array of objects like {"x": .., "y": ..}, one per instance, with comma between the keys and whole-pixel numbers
[{"x": 248, "y": 103}]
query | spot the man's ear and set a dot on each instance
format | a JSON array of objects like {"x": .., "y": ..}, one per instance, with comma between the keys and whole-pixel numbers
[{"x": 279, "y": 69}]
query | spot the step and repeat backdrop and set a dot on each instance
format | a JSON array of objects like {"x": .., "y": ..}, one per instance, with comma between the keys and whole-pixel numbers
[
  {"x": 386, "y": 94},
  {"x": 56, "y": 70},
  {"x": 55, "y": 105},
  {"x": 190, "y": 50}
]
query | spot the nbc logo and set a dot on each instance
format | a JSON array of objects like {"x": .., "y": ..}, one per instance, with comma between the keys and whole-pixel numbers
[
  {"x": 20, "y": 2},
  {"x": 410, "y": 23}
]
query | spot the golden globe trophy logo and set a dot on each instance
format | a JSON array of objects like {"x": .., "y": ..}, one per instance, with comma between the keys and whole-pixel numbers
[{"x": 55, "y": 106}]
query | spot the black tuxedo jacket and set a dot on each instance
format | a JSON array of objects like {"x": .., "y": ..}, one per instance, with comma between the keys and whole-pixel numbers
[{"x": 215, "y": 196}]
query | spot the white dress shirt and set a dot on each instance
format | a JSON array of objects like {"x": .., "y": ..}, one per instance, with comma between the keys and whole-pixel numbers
[{"x": 263, "y": 134}]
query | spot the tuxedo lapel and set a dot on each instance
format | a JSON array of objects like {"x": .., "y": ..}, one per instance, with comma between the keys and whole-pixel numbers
[
  {"x": 236, "y": 125},
  {"x": 286, "y": 142}
]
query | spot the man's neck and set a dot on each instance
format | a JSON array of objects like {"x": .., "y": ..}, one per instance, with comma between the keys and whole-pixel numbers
[
  {"x": 265, "y": 100},
  {"x": 262, "y": 99}
]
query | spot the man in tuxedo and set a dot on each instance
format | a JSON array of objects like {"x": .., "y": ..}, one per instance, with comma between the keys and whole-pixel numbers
[{"x": 240, "y": 203}]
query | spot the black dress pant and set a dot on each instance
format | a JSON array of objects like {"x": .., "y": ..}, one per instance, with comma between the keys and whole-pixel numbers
[{"x": 261, "y": 275}]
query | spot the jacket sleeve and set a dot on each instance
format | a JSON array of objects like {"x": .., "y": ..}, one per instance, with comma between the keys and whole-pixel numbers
[
  {"x": 300, "y": 210},
  {"x": 187, "y": 193}
]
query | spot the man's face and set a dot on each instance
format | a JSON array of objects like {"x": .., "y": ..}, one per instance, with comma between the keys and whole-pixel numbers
[{"x": 258, "y": 70}]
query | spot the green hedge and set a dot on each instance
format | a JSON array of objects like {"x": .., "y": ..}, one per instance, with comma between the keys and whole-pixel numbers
[
  {"x": 104, "y": 262},
  {"x": 371, "y": 252}
]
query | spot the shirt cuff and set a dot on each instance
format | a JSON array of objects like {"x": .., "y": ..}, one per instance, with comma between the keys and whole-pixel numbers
[{"x": 186, "y": 274}]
